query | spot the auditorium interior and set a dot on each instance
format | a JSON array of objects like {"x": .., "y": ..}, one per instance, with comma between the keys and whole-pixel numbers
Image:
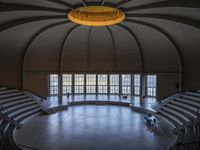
[{"x": 99, "y": 75}]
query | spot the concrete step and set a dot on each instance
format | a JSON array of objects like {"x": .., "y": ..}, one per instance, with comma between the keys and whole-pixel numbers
[
  {"x": 176, "y": 113},
  {"x": 8, "y": 91},
  {"x": 195, "y": 94},
  {"x": 171, "y": 117},
  {"x": 10, "y": 95},
  {"x": 2, "y": 88},
  {"x": 26, "y": 113},
  {"x": 19, "y": 102},
  {"x": 189, "y": 97},
  {"x": 30, "y": 114},
  {"x": 195, "y": 104},
  {"x": 193, "y": 109},
  {"x": 16, "y": 107},
  {"x": 7, "y": 100},
  {"x": 18, "y": 112},
  {"x": 181, "y": 110},
  {"x": 166, "y": 119},
  {"x": 16, "y": 102}
]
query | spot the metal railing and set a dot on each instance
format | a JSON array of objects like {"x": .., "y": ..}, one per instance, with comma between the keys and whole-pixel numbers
[
  {"x": 35, "y": 96},
  {"x": 164, "y": 101}
]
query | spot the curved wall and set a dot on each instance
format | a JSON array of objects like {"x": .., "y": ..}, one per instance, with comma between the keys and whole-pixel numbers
[{"x": 151, "y": 36}]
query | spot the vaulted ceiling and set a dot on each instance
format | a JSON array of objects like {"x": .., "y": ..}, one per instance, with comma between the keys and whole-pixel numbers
[{"x": 156, "y": 36}]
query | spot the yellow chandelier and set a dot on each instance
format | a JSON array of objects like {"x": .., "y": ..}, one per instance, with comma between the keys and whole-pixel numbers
[{"x": 96, "y": 15}]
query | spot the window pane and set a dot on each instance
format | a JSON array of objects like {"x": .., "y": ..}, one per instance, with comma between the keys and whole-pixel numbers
[
  {"x": 126, "y": 84},
  {"x": 137, "y": 84},
  {"x": 114, "y": 84},
  {"x": 151, "y": 85},
  {"x": 90, "y": 83},
  {"x": 67, "y": 83},
  {"x": 102, "y": 83},
  {"x": 53, "y": 84},
  {"x": 79, "y": 83}
]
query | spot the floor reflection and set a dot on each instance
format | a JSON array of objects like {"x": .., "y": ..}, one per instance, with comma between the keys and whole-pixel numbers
[
  {"x": 148, "y": 102},
  {"x": 92, "y": 127}
]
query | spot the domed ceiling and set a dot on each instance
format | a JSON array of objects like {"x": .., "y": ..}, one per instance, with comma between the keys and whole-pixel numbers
[{"x": 156, "y": 36}]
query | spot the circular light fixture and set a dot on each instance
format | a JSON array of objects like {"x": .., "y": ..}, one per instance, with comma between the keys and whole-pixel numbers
[{"x": 96, "y": 15}]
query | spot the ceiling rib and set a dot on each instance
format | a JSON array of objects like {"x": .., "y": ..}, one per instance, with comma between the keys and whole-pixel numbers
[
  {"x": 171, "y": 3},
  {"x": 171, "y": 40},
  {"x": 89, "y": 48},
  {"x": 62, "y": 52},
  {"x": 121, "y": 3},
  {"x": 113, "y": 47},
  {"x": 140, "y": 53},
  {"x": 102, "y": 3},
  {"x": 179, "y": 19},
  {"x": 17, "y": 22},
  {"x": 83, "y": 2},
  {"x": 63, "y": 3},
  {"x": 32, "y": 39},
  {"x": 5, "y": 7}
]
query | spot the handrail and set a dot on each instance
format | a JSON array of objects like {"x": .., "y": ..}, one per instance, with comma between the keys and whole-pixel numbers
[
  {"x": 169, "y": 95},
  {"x": 163, "y": 101},
  {"x": 20, "y": 145},
  {"x": 35, "y": 96}
]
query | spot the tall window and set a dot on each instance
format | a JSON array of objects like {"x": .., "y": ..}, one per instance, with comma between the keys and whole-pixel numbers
[
  {"x": 67, "y": 83},
  {"x": 151, "y": 85},
  {"x": 126, "y": 84},
  {"x": 102, "y": 83},
  {"x": 53, "y": 81},
  {"x": 90, "y": 83},
  {"x": 136, "y": 84},
  {"x": 79, "y": 83},
  {"x": 114, "y": 83}
]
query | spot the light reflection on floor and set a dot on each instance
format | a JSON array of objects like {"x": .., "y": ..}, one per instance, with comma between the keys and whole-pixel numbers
[
  {"x": 148, "y": 102},
  {"x": 93, "y": 127}
]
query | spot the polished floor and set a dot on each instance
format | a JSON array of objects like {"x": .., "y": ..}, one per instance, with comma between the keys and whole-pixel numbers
[
  {"x": 148, "y": 102},
  {"x": 92, "y": 127}
]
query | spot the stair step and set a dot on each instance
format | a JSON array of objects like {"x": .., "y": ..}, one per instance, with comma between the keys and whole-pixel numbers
[
  {"x": 2, "y": 88},
  {"x": 18, "y": 107},
  {"x": 8, "y": 91},
  {"x": 162, "y": 117},
  {"x": 195, "y": 104},
  {"x": 171, "y": 117},
  {"x": 10, "y": 95},
  {"x": 16, "y": 102},
  {"x": 27, "y": 112},
  {"x": 181, "y": 109},
  {"x": 195, "y": 94},
  {"x": 176, "y": 113},
  {"x": 18, "y": 112},
  {"x": 191, "y": 98},
  {"x": 184, "y": 105}
]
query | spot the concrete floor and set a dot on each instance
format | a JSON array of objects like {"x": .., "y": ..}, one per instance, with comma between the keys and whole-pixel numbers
[
  {"x": 148, "y": 102},
  {"x": 93, "y": 127}
]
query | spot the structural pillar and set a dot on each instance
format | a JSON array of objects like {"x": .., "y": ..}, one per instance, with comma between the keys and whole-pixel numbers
[
  {"x": 60, "y": 90},
  {"x": 142, "y": 89}
]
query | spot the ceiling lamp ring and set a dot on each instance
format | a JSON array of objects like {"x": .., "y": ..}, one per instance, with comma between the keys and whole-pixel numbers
[{"x": 96, "y": 15}]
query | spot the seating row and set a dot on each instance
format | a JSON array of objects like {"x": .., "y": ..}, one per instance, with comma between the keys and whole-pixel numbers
[
  {"x": 15, "y": 107},
  {"x": 182, "y": 111}
]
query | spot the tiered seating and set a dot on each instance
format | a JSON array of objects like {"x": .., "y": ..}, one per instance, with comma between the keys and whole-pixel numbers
[
  {"x": 15, "y": 107},
  {"x": 182, "y": 111}
]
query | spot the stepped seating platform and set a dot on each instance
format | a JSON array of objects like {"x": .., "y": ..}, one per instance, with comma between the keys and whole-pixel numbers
[
  {"x": 182, "y": 111},
  {"x": 15, "y": 107}
]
